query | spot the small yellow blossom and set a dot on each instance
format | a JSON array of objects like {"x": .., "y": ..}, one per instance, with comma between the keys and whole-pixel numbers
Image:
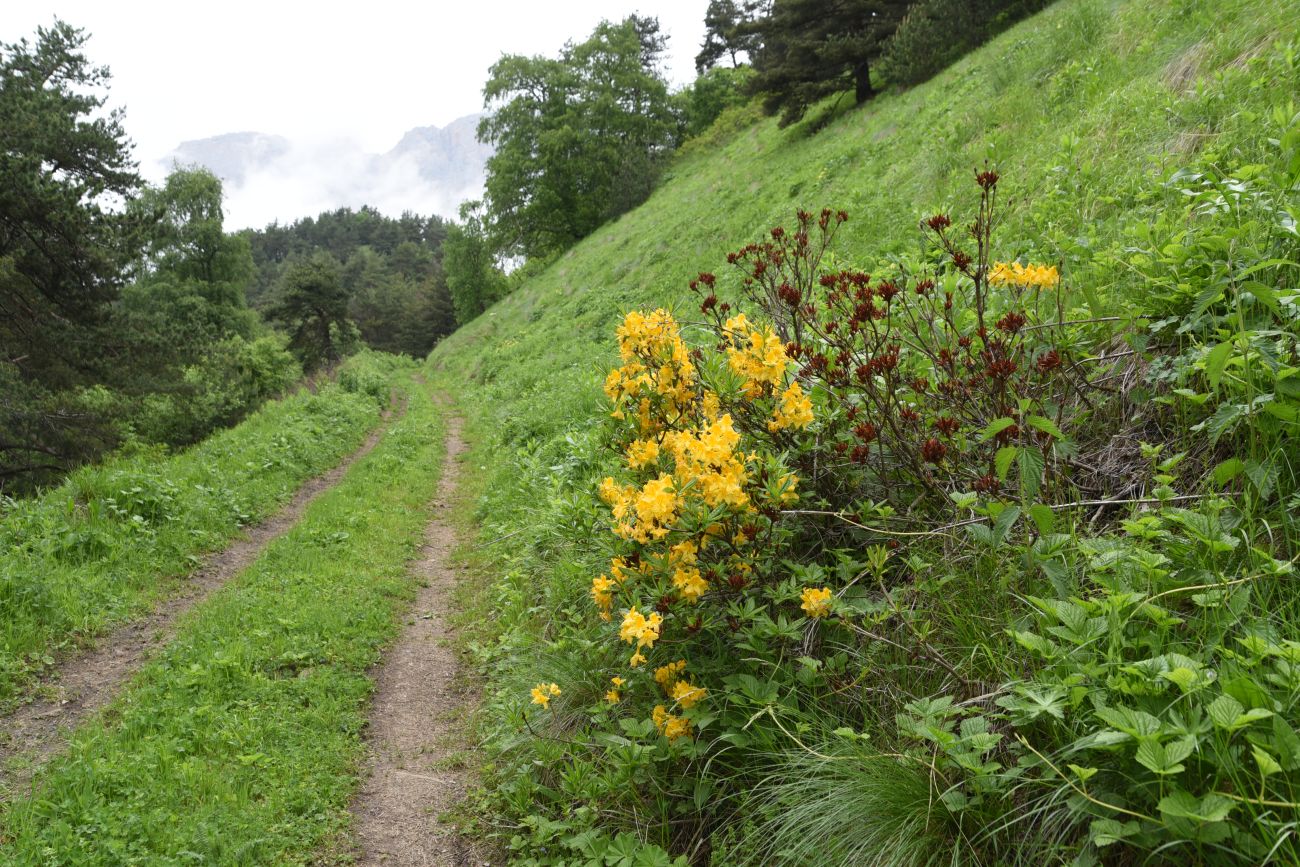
[
  {"x": 600, "y": 594},
  {"x": 816, "y": 601},
  {"x": 642, "y": 452},
  {"x": 1024, "y": 276},
  {"x": 544, "y": 692},
  {"x": 637, "y": 659},
  {"x": 690, "y": 583},
  {"x": 613, "y": 695},
  {"x": 666, "y": 675},
  {"x": 669, "y": 725},
  {"x": 639, "y": 628},
  {"x": 794, "y": 410},
  {"x": 686, "y": 695}
]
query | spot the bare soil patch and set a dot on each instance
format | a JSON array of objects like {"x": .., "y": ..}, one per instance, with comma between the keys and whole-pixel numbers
[
  {"x": 414, "y": 769},
  {"x": 83, "y": 684}
]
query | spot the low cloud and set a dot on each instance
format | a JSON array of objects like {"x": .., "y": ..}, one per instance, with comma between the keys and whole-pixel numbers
[{"x": 268, "y": 178}]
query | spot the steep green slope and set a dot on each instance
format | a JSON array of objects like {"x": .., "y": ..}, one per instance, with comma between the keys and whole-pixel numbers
[
  {"x": 1083, "y": 110},
  {"x": 1088, "y": 111}
]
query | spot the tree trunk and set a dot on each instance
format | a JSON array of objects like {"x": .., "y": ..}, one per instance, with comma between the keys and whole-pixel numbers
[{"x": 862, "y": 80}]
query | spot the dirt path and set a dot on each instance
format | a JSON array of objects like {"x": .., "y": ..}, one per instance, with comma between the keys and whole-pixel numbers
[
  {"x": 85, "y": 683},
  {"x": 415, "y": 739}
]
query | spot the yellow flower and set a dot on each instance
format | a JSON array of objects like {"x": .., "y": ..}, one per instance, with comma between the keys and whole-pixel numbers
[
  {"x": 639, "y": 628},
  {"x": 600, "y": 588},
  {"x": 1024, "y": 276},
  {"x": 637, "y": 659},
  {"x": 666, "y": 675},
  {"x": 760, "y": 358},
  {"x": 670, "y": 726},
  {"x": 690, "y": 583},
  {"x": 816, "y": 601},
  {"x": 544, "y": 692},
  {"x": 686, "y": 695},
  {"x": 657, "y": 504},
  {"x": 642, "y": 452},
  {"x": 613, "y": 695},
  {"x": 794, "y": 410}
]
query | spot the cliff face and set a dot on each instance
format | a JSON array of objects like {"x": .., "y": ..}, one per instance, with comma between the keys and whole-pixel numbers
[{"x": 450, "y": 155}]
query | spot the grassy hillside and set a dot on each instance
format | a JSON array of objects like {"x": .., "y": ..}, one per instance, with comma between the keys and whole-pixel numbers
[{"x": 1140, "y": 146}]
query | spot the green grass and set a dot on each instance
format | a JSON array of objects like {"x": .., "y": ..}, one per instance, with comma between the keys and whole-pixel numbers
[
  {"x": 240, "y": 743},
  {"x": 1085, "y": 110},
  {"x": 103, "y": 546}
]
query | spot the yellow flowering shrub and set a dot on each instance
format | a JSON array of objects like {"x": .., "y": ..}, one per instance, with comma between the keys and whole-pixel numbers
[{"x": 695, "y": 516}]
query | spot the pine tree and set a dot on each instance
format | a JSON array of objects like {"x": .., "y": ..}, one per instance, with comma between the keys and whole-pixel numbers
[{"x": 814, "y": 48}]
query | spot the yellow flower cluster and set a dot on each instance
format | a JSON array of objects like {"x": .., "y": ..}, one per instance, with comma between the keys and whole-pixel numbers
[
  {"x": 641, "y": 629},
  {"x": 613, "y": 696},
  {"x": 670, "y": 725},
  {"x": 816, "y": 601},
  {"x": 1024, "y": 276},
  {"x": 707, "y": 458},
  {"x": 691, "y": 505},
  {"x": 655, "y": 363},
  {"x": 757, "y": 354},
  {"x": 544, "y": 692},
  {"x": 793, "y": 411},
  {"x": 641, "y": 514}
]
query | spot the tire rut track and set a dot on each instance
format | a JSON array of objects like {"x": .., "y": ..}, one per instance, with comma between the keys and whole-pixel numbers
[
  {"x": 85, "y": 683},
  {"x": 412, "y": 772}
]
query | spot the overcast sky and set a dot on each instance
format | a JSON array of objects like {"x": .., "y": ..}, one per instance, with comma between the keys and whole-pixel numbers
[{"x": 310, "y": 73}]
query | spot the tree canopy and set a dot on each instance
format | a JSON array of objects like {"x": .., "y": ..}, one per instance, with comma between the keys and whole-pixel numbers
[
  {"x": 579, "y": 139},
  {"x": 64, "y": 246},
  {"x": 811, "y": 49}
]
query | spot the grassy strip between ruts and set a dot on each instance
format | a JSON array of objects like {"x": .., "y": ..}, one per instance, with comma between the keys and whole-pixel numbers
[
  {"x": 239, "y": 745},
  {"x": 99, "y": 548}
]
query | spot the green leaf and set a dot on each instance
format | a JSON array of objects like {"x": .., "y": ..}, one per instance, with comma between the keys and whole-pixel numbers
[
  {"x": 1002, "y": 461},
  {"x": 1046, "y": 425},
  {"x": 1224, "y": 710},
  {"x": 1267, "y": 764},
  {"x": 1105, "y": 832},
  {"x": 1215, "y": 362},
  {"x": 1032, "y": 465},
  {"x": 1184, "y": 805},
  {"x": 1044, "y": 518},
  {"x": 1159, "y": 759},
  {"x": 1228, "y": 470},
  {"x": 996, "y": 427},
  {"x": 1084, "y": 774},
  {"x": 1003, "y": 523}
]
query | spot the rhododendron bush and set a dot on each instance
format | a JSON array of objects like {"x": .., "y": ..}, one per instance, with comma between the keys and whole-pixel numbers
[{"x": 833, "y": 414}]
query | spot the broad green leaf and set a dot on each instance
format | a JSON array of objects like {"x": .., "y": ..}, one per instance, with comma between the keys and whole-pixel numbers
[
  {"x": 1002, "y": 461},
  {"x": 1044, "y": 518},
  {"x": 1228, "y": 470},
  {"x": 1224, "y": 710},
  {"x": 1267, "y": 764},
  {"x": 1084, "y": 774},
  {"x": 1184, "y": 805},
  {"x": 1215, "y": 362},
  {"x": 1032, "y": 465},
  {"x": 1105, "y": 832},
  {"x": 1046, "y": 425},
  {"x": 1155, "y": 757},
  {"x": 996, "y": 427}
]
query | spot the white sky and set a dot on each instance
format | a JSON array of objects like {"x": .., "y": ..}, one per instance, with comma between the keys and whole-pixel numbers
[{"x": 366, "y": 72}]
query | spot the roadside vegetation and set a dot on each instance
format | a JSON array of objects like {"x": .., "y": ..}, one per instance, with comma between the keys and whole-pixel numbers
[
  {"x": 961, "y": 545},
  {"x": 240, "y": 743},
  {"x": 114, "y": 537}
]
